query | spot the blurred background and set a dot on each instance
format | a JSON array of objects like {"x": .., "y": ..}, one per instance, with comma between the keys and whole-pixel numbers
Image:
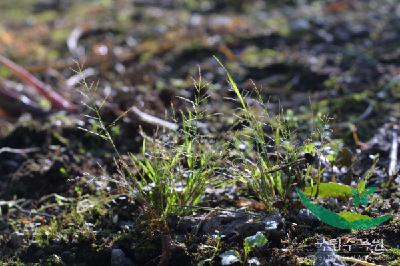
[{"x": 339, "y": 57}]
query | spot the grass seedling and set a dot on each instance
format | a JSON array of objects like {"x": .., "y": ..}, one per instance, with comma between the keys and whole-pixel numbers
[
  {"x": 170, "y": 176},
  {"x": 167, "y": 179},
  {"x": 271, "y": 165}
]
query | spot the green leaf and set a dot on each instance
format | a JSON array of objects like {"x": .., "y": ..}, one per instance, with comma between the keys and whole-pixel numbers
[
  {"x": 361, "y": 186},
  {"x": 372, "y": 222},
  {"x": 362, "y": 198},
  {"x": 370, "y": 191},
  {"x": 336, "y": 220},
  {"x": 329, "y": 190},
  {"x": 229, "y": 257},
  {"x": 331, "y": 158},
  {"x": 309, "y": 148},
  {"x": 325, "y": 215},
  {"x": 351, "y": 216},
  {"x": 258, "y": 240}
]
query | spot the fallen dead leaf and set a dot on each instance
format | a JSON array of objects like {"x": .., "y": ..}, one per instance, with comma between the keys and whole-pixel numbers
[{"x": 251, "y": 204}]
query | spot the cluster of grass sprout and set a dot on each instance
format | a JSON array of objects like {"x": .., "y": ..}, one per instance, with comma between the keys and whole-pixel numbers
[
  {"x": 173, "y": 171},
  {"x": 272, "y": 164},
  {"x": 168, "y": 180},
  {"x": 172, "y": 178}
]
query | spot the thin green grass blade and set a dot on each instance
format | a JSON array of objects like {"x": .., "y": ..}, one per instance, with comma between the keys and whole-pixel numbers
[{"x": 233, "y": 84}]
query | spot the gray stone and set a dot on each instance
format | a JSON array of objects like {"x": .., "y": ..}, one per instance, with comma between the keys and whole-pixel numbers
[
  {"x": 232, "y": 225},
  {"x": 273, "y": 222},
  {"x": 306, "y": 217},
  {"x": 118, "y": 258}
]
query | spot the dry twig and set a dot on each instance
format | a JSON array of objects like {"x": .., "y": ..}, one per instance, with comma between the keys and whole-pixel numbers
[
  {"x": 153, "y": 120},
  {"x": 18, "y": 151},
  {"x": 56, "y": 100},
  {"x": 394, "y": 151}
]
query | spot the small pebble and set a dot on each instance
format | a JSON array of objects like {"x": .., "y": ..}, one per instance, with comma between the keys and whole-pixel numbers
[
  {"x": 118, "y": 258},
  {"x": 17, "y": 239}
]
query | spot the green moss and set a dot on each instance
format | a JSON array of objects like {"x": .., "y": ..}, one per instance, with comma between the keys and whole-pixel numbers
[
  {"x": 395, "y": 252},
  {"x": 12, "y": 262},
  {"x": 46, "y": 233},
  {"x": 53, "y": 260},
  {"x": 256, "y": 57},
  {"x": 307, "y": 262}
]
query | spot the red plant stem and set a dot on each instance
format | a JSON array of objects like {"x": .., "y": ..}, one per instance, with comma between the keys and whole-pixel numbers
[{"x": 57, "y": 101}]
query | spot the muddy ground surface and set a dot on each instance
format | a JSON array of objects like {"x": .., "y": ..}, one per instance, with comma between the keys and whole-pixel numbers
[{"x": 62, "y": 199}]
